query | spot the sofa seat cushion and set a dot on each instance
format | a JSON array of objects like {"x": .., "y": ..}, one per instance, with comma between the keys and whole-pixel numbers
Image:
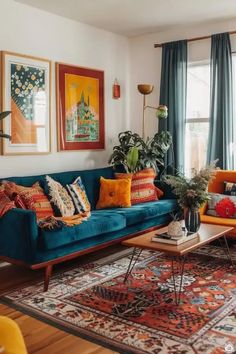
[
  {"x": 116, "y": 236},
  {"x": 95, "y": 225},
  {"x": 218, "y": 221},
  {"x": 144, "y": 211}
]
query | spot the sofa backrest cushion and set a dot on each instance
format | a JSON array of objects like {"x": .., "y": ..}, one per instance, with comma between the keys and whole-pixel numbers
[
  {"x": 217, "y": 184},
  {"x": 90, "y": 179}
]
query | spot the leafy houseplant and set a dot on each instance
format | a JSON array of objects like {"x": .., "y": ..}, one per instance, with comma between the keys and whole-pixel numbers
[
  {"x": 2, "y": 116},
  {"x": 192, "y": 193},
  {"x": 135, "y": 153}
]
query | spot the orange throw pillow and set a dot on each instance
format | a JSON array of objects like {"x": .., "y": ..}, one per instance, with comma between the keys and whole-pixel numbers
[
  {"x": 114, "y": 193},
  {"x": 33, "y": 198},
  {"x": 142, "y": 186}
]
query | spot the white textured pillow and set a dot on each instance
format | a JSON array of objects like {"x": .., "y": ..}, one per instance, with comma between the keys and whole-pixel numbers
[{"x": 59, "y": 198}]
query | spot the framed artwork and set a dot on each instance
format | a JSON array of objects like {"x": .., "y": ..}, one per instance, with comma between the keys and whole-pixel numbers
[
  {"x": 26, "y": 86},
  {"x": 80, "y": 108}
]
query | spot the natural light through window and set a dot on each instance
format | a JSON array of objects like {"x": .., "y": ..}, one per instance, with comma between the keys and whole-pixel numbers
[
  {"x": 197, "y": 118},
  {"x": 233, "y": 145}
]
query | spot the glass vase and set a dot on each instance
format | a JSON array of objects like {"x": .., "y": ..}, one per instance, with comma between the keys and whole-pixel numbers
[{"x": 192, "y": 219}]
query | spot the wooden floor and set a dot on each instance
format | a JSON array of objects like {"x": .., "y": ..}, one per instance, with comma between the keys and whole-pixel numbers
[{"x": 39, "y": 337}]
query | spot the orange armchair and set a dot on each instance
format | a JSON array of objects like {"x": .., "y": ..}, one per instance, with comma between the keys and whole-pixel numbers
[{"x": 217, "y": 186}]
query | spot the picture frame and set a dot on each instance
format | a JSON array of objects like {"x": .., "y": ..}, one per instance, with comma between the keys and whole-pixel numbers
[
  {"x": 80, "y": 108},
  {"x": 26, "y": 92}
]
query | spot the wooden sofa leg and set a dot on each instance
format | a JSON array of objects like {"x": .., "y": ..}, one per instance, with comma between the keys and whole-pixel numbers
[{"x": 48, "y": 272}]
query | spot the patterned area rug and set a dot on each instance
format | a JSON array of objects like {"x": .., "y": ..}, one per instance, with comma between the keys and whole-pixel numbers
[{"x": 140, "y": 316}]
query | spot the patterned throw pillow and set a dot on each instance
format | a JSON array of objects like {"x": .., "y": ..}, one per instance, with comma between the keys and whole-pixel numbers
[
  {"x": 114, "y": 193},
  {"x": 142, "y": 186},
  {"x": 222, "y": 206},
  {"x": 79, "y": 196},
  {"x": 32, "y": 198},
  {"x": 6, "y": 203},
  {"x": 229, "y": 188},
  {"x": 59, "y": 198}
]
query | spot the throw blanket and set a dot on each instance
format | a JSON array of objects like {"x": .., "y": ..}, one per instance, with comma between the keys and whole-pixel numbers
[{"x": 55, "y": 223}]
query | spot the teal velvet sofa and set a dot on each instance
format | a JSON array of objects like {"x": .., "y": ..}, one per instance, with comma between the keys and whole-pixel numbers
[{"x": 23, "y": 243}]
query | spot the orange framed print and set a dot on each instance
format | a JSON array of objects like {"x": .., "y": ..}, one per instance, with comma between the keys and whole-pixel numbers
[
  {"x": 80, "y": 108},
  {"x": 26, "y": 93}
]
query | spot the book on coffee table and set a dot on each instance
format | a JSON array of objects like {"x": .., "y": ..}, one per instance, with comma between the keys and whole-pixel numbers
[{"x": 171, "y": 240}]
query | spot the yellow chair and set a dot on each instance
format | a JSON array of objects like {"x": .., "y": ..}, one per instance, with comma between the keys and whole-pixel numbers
[{"x": 11, "y": 338}]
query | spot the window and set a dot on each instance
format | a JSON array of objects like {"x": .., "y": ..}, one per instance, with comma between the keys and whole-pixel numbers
[{"x": 197, "y": 117}]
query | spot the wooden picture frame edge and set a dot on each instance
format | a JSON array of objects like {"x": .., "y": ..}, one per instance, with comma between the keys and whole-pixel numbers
[
  {"x": 1, "y": 100},
  {"x": 57, "y": 65},
  {"x": 2, "y": 95}
]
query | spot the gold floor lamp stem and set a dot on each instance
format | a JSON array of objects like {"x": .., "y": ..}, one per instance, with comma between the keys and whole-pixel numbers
[{"x": 143, "y": 128}]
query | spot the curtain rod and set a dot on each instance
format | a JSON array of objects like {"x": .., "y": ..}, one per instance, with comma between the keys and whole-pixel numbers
[{"x": 159, "y": 45}]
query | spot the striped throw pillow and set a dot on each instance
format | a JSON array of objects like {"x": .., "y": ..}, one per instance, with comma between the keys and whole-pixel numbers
[
  {"x": 78, "y": 194},
  {"x": 33, "y": 198},
  {"x": 142, "y": 186}
]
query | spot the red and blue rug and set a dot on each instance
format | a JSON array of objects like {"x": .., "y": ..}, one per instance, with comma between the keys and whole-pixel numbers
[{"x": 140, "y": 316}]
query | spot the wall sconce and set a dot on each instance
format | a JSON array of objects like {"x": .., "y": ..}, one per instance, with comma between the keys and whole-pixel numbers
[
  {"x": 161, "y": 110},
  {"x": 116, "y": 90}
]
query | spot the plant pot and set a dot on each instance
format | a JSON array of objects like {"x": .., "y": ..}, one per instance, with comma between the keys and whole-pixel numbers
[{"x": 192, "y": 219}]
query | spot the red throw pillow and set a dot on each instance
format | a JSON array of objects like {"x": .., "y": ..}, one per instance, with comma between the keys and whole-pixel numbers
[
  {"x": 225, "y": 208},
  {"x": 33, "y": 198},
  {"x": 6, "y": 203},
  {"x": 142, "y": 186},
  {"x": 19, "y": 202},
  {"x": 221, "y": 205}
]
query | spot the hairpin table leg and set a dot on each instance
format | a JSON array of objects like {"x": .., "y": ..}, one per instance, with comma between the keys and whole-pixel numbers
[
  {"x": 134, "y": 258},
  {"x": 228, "y": 251},
  {"x": 181, "y": 262}
]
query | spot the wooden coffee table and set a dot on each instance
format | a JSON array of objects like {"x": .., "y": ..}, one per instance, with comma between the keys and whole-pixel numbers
[{"x": 206, "y": 234}]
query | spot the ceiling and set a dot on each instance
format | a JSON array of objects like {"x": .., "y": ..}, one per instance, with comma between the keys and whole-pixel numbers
[{"x": 136, "y": 17}]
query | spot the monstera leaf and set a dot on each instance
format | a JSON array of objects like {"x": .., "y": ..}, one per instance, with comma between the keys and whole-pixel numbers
[
  {"x": 136, "y": 154},
  {"x": 132, "y": 158}
]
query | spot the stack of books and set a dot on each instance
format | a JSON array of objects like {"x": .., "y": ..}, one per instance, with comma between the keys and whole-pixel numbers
[{"x": 165, "y": 238}]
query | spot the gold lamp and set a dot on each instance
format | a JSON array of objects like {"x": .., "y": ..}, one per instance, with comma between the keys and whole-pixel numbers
[{"x": 162, "y": 110}]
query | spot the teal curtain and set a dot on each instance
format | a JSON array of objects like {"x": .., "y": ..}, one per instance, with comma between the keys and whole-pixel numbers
[
  {"x": 173, "y": 90},
  {"x": 221, "y": 112}
]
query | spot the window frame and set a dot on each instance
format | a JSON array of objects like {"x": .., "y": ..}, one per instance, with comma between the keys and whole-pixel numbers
[{"x": 197, "y": 120}]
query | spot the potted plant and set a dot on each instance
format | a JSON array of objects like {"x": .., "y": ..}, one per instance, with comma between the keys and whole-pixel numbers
[
  {"x": 2, "y": 116},
  {"x": 135, "y": 153},
  {"x": 192, "y": 193}
]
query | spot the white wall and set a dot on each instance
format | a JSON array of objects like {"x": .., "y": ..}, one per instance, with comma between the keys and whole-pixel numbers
[
  {"x": 26, "y": 30},
  {"x": 34, "y": 32},
  {"x": 146, "y": 64}
]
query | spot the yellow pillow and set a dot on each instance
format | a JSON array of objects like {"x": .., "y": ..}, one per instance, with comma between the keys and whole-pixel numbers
[{"x": 114, "y": 193}]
